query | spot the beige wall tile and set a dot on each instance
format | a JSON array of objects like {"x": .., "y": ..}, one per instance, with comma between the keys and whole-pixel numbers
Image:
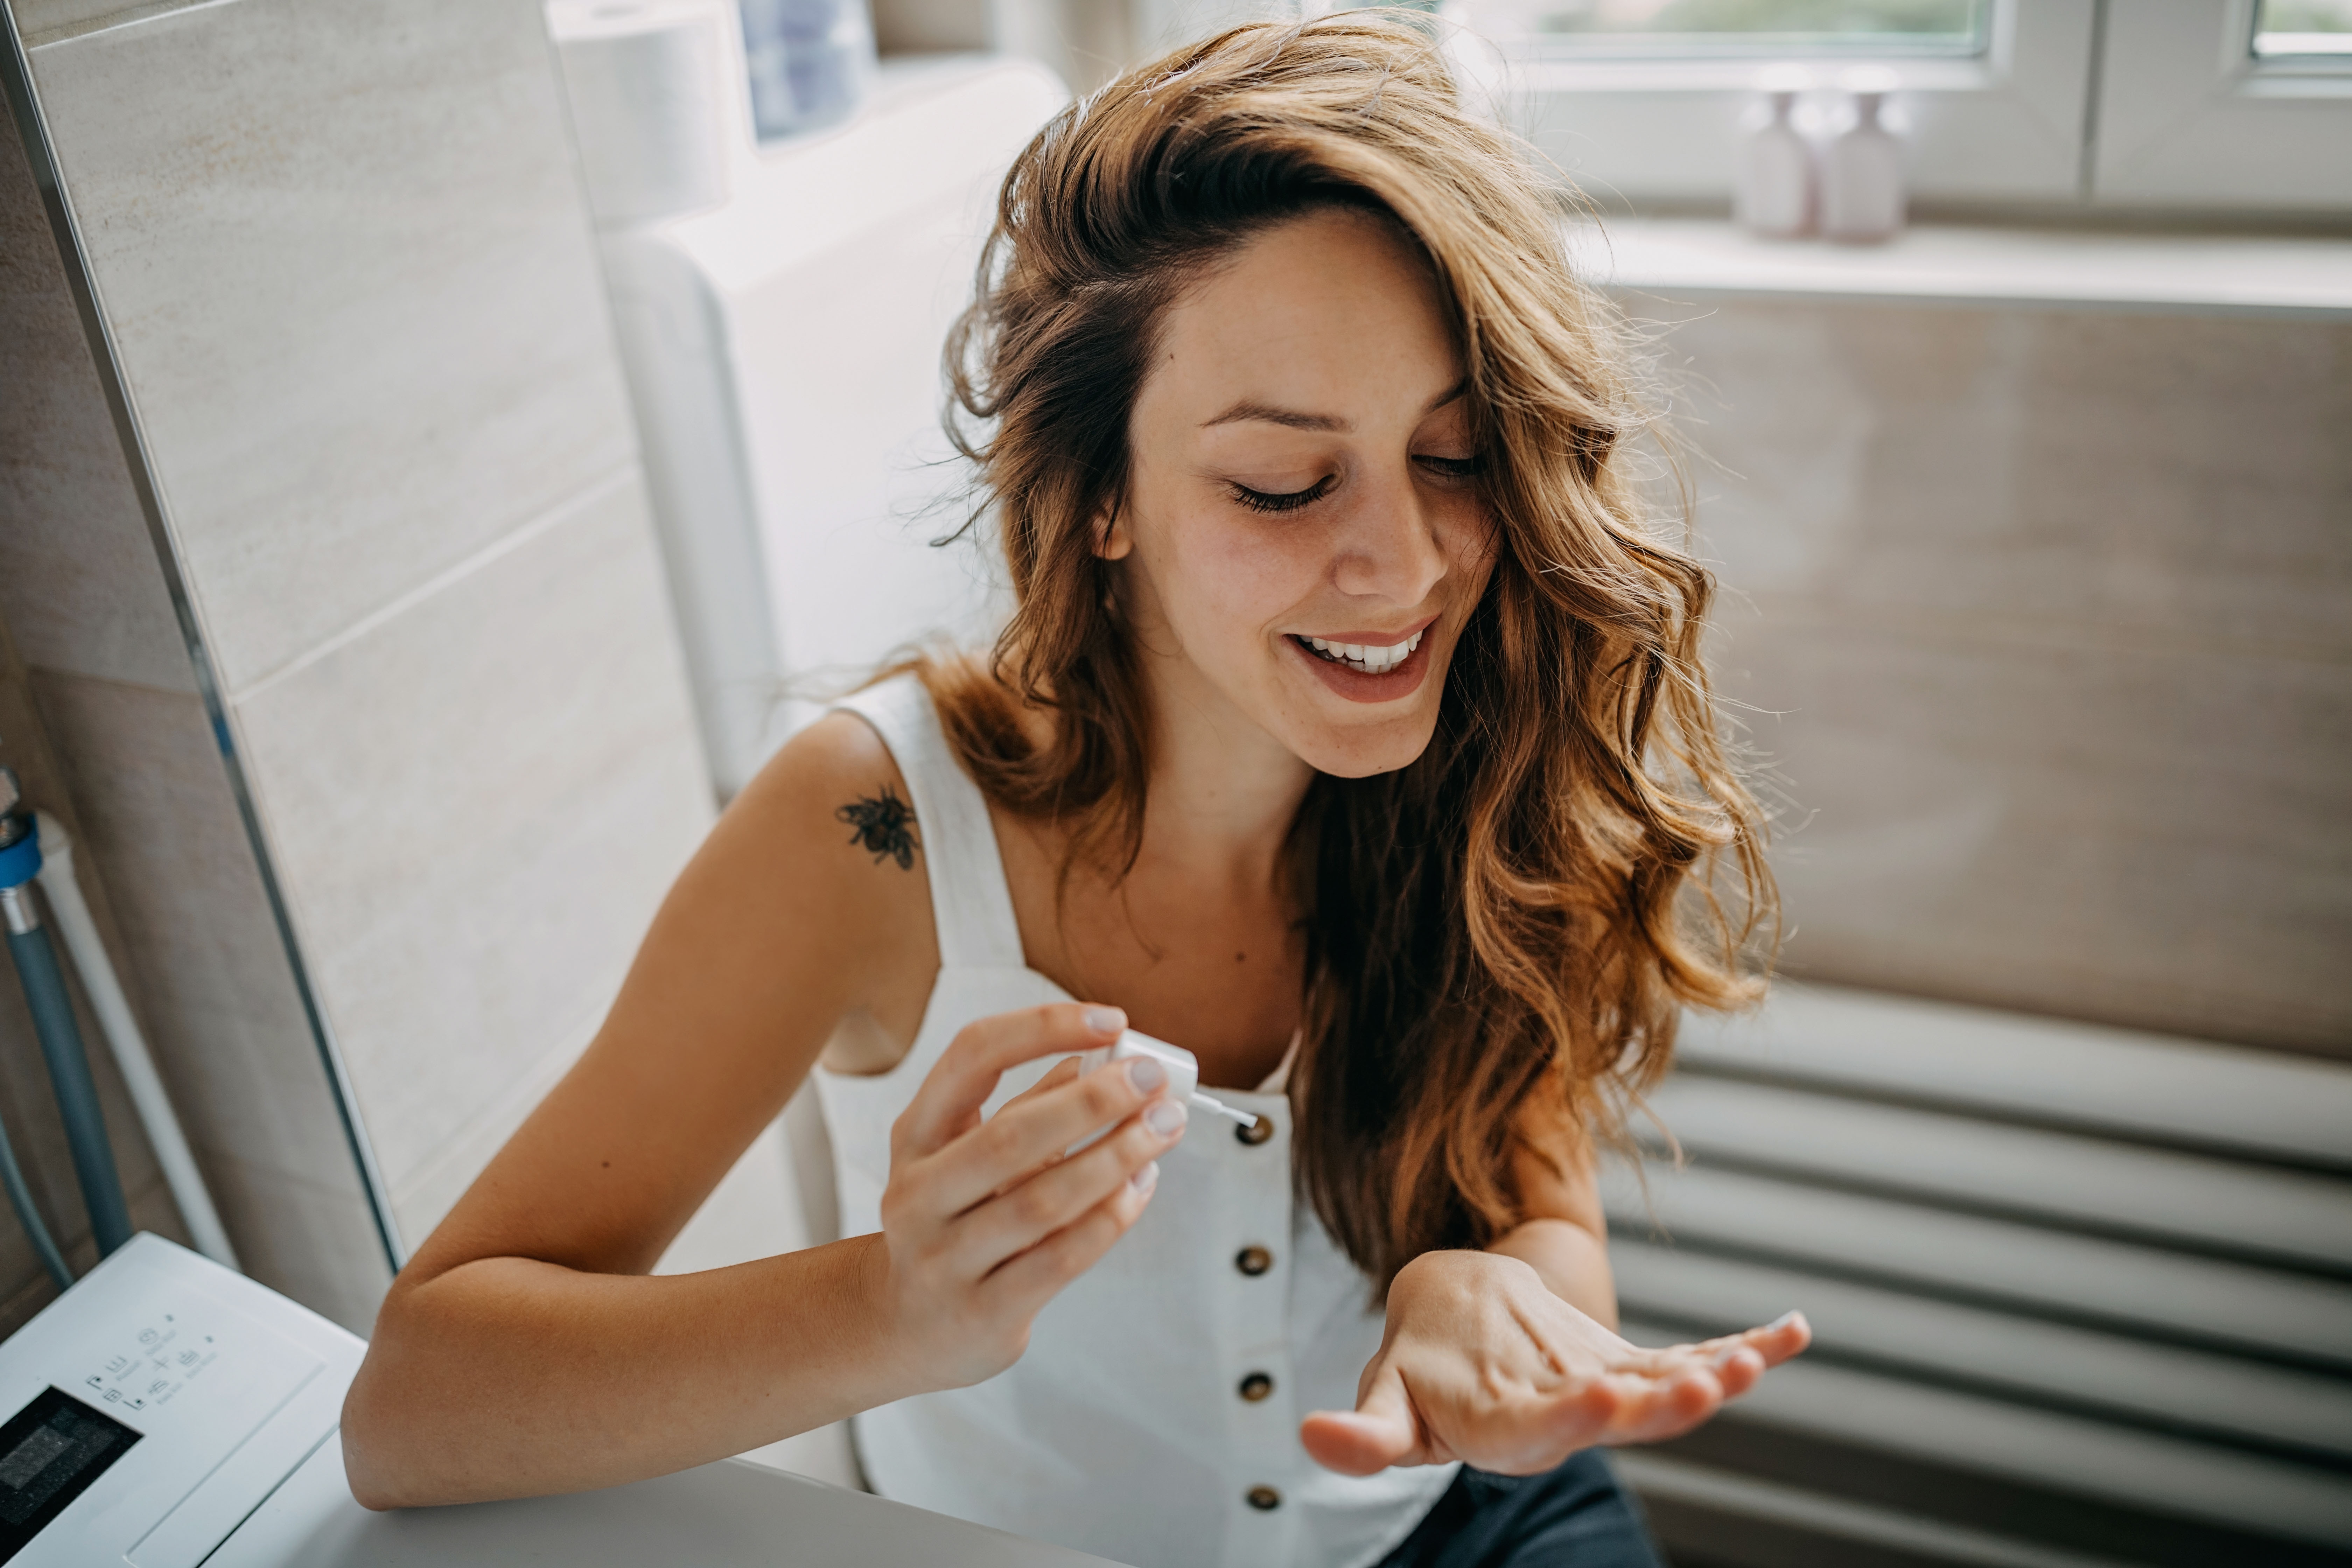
[
  {"x": 210, "y": 979},
  {"x": 158, "y": 812},
  {"x": 2051, "y": 617},
  {"x": 312, "y": 1240},
  {"x": 79, "y": 584},
  {"x": 345, "y": 254},
  {"x": 476, "y": 806},
  {"x": 431, "y": 1188}
]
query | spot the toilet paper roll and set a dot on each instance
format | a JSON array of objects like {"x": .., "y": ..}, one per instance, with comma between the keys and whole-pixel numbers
[{"x": 643, "y": 80}]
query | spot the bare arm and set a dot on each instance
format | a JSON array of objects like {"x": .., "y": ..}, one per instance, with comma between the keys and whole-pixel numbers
[
  {"x": 1565, "y": 1237},
  {"x": 525, "y": 1349}
]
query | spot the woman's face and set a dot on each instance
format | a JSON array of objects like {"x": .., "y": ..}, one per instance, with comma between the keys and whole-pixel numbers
[{"x": 1303, "y": 532}]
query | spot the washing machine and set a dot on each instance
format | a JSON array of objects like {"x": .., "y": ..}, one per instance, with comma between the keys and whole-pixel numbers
[{"x": 169, "y": 1412}]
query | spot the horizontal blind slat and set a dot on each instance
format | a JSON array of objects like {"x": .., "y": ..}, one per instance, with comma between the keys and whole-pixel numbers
[
  {"x": 2161, "y": 1473},
  {"x": 1971, "y": 1162},
  {"x": 2129, "y": 1082},
  {"x": 2266, "y": 1311},
  {"x": 2159, "y": 1383}
]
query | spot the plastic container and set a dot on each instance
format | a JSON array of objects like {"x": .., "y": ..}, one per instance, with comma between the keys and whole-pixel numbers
[{"x": 810, "y": 62}]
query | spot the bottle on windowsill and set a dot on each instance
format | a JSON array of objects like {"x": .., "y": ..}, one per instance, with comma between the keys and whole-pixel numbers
[
  {"x": 1862, "y": 167},
  {"x": 1773, "y": 193}
]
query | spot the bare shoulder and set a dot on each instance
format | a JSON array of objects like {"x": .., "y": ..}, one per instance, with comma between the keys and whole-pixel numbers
[
  {"x": 834, "y": 786},
  {"x": 825, "y": 837},
  {"x": 831, "y": 811}
]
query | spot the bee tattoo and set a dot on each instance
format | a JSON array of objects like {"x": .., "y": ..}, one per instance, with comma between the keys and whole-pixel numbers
[{"x": 883, "y": 825}]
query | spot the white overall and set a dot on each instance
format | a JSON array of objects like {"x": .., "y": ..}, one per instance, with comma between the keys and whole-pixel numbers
[{"x": 1125, "y": 1430}]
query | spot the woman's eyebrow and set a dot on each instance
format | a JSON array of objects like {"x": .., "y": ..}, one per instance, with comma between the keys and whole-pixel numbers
[
  {"x": 1266, "y": 413},
  {"x": 1291, "y": 419}
]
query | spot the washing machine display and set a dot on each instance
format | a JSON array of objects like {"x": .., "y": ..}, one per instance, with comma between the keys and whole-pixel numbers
[{"x": 50, "y": 1452}]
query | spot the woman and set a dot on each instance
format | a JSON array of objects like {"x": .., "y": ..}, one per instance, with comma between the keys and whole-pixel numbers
[{"x": 1350, "y": 731}]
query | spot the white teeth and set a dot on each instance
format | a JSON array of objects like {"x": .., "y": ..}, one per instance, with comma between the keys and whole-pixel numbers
[{"x": 1371, "y": 661}]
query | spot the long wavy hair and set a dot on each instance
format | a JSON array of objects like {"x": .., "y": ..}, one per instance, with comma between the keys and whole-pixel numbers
[{"x": 1515, "y": 920}]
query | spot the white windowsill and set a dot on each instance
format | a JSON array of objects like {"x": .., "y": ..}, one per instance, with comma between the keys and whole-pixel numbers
[{"x": 2309, "y": 278}]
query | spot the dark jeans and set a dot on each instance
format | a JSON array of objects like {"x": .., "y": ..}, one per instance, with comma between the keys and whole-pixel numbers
[{"x": 1578, "y": 1516}]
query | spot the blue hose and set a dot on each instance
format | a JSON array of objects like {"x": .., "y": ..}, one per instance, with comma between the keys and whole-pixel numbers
[
  {"x": 76, "y": 1091},
  {"x": 20, "y": 859}
]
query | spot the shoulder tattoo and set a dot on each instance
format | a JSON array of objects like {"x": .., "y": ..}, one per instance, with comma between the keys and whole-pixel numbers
[{"x": 883, "y": 823}]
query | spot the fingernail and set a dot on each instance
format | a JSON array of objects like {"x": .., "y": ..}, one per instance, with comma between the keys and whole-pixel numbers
[
  {"x": 1105, "y": 1020},
  {"x": 1164, "y": 1117},
  {"x": 1145, "y": 1179},
  {"x": 1146, "y": 1074},
  {"x": 1782, "y": 1321}
]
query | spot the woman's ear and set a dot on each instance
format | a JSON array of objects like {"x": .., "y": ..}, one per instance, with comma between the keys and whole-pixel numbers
[{"x": 1112, "y": 541}]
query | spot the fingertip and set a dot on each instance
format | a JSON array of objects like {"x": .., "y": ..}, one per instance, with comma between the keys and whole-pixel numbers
[
  {"x": 1786, "y": 1336},
  {"x": 1350, "y": 1442},
  {"x": 1105, "y": 1021}
]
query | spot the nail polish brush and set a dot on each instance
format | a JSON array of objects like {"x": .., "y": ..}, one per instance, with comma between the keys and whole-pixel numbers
[{"x": 1182, "y": 1068}]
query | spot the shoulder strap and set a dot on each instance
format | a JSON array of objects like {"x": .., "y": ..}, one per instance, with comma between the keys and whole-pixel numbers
[{"x": 971, "y": 904}]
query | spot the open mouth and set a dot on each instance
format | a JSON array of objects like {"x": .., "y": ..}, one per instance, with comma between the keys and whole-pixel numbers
[{"x": 1361, "y": 657}]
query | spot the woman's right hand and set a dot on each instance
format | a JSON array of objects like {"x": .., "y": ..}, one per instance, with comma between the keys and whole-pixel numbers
[{"x": 984, "y": 1222}]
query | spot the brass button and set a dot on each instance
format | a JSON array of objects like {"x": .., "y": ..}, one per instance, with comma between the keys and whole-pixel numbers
[
  {"x": 1257, "y": 1386},
  {"x": 1257, "y": 1132},
  {"x": 1253, "y": 1260},
  {"x": 1263, "y": 1498}
]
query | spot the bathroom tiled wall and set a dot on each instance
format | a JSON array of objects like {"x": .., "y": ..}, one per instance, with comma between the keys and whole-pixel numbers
[
  {"x": 349, "y": 269},
  {"x": 98, "y": 712},
  {"x": 2045, "y": 619}
]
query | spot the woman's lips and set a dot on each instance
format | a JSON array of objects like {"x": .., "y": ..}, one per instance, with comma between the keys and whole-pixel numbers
[{"x": 1356, "y": 684}]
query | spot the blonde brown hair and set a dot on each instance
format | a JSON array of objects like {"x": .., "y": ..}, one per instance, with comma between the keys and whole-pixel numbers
[{"x": 1519, "y": 914}]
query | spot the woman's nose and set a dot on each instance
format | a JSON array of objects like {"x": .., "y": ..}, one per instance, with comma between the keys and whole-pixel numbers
[{"x": 1389, "y": 547}]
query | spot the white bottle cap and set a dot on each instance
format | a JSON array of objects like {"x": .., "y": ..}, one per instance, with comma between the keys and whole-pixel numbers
[{"x": 1183, "y": 1070}]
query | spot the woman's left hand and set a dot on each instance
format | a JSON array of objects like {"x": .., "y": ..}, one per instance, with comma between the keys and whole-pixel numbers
[{"x": 1481, "y": 1363}]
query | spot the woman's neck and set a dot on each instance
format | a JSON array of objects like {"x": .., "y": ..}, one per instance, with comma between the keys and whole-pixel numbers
[{"x": 1222, "y": 792}]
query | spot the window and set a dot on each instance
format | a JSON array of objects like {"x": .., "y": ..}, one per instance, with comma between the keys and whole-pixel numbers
[
  {"x": 2241, "y": 105},
  {"x": 2042, "y": 105},
  {"x": 2286, "y": 30},
  {"x": 1750, "y": 26},
  {"x": 1640, "y": 100}
]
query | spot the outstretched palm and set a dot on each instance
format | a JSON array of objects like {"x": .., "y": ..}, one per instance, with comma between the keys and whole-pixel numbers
[{"x": 1481, "y": 1363}]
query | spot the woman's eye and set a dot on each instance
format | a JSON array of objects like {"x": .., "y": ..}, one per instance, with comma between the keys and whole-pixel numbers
[
  {"x": 1453, "y": 468},
  {"x": 1272, "y": 501}
]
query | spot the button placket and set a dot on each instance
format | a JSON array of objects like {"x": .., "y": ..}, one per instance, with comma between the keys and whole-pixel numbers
[{"x": 1260, "y": 1388}]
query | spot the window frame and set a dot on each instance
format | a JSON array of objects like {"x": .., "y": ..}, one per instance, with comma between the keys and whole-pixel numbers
[
  {"x": 2004, "y": 125},
  {"x": 2191, "y": 117},
  {"x": 2073, "y": 105}
]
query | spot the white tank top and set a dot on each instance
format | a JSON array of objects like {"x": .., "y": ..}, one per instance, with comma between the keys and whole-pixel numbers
[{"x": 1137, "y": 1426}]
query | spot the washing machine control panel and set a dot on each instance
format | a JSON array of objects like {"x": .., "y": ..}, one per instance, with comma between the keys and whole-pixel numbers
[{"x": 153, "y": 1405}]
